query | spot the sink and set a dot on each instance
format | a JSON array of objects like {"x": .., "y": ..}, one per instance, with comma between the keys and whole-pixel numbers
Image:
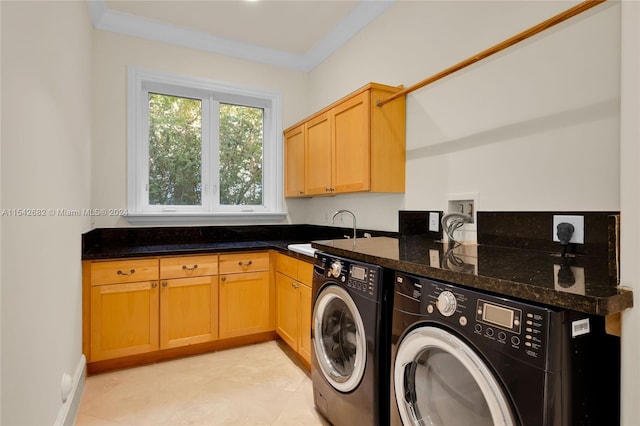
[{"x": 305, "y": 249}]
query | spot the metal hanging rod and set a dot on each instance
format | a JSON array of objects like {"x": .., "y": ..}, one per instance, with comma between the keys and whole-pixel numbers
[{"x": 554, "y": 20}]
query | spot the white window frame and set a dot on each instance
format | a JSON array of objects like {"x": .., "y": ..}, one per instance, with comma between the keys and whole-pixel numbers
[{"x": 140, "y": 83}]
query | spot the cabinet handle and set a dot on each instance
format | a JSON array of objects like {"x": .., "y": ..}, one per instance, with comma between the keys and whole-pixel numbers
[
  {"x": 154, "y": 284},
  {"x": 223, "y": 278},
  {"x": 241, "y": 263},
  {"x": 294, "y": 285},
  {"x": 186, "y": 268},
  {"x": 164, "y": 284},
  {"x": 301, "y": 192},
  {"x": 131, "y": 272},
  {"x": 327, "y": 189}
]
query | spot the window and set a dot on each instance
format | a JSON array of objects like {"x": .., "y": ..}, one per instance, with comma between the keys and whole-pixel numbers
[{"x": 202, "y": 149}]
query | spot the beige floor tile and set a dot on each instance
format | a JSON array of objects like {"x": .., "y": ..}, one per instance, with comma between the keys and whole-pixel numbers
[{"x": 252, "y": 385}]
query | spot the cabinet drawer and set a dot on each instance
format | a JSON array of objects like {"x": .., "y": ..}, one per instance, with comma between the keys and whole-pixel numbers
[
  {"x": 188, "y": 266},
  {"x": 287, "y": 265},
  {"x": 244, "y": 262},
  {"x": 305, "y": 272},
  {"x": 124, "y": 271}
]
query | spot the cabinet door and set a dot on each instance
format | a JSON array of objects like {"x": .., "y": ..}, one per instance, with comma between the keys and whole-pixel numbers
[
  {"x": 319, "y": 156},
  {"x": 188, "y": 311},
  {"x": 124, "y": 319},
  {"x": 244, "y": 304},
  {"x": 304, "y": 331},
  {"x": 287, "y": 310},
  {"x": 351, "y": 127},
  {"x": 294, "y": 162},
  {"x": 305, "y": 272}
]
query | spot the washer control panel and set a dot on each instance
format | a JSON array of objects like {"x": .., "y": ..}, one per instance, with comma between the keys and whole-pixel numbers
[
  {"x": 361, "y": 277},
  {"x": 490, "y": 321}
]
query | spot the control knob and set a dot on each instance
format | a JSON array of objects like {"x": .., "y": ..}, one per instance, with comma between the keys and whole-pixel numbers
[
  {"x": 335, "y": 269},
  {"x": 446, "y": 303}
]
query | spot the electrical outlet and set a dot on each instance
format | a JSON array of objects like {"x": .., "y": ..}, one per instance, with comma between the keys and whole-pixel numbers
[
  {"x": 434, "y": 222},
  {"x": 578, "y": 225}
]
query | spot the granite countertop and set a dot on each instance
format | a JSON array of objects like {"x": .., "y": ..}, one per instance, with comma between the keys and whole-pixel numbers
[
  {"x": 579, "y": 282},
  {"x": 180, "y": 249},
  {"x": 107, "y": 243}
]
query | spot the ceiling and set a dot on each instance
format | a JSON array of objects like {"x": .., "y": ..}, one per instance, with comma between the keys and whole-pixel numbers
[{"x": 295, "y": 34}]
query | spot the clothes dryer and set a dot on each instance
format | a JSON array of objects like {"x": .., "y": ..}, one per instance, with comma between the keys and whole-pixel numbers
[
  {"x": 351, "y": 350},
  {"x": 466, "y": 357}
]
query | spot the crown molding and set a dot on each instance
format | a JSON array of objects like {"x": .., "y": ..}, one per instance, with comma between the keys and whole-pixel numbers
[{"x": 364, "y": 13}]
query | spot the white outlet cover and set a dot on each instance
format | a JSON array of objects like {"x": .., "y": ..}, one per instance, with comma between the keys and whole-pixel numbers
[
  {"x": 578, "y": 224},
  {"x": 434, "y": 222}
]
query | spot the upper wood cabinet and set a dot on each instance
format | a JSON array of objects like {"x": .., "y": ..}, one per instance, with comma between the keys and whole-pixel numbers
[
  {"x": 318, "y": 176},
  {"x": 294, "y": 162},
  {"x": 352, "y": 145}
]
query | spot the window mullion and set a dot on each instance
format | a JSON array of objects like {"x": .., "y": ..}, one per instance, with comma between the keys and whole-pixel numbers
[
  {"x": 143, "y": 153},
  {"x": 207, "y": 167},
  {"x": 214, "y": 146}
]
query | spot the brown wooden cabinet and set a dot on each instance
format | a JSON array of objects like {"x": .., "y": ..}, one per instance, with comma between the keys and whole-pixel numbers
[
  {"x": 188, "y": 300},
  {"x": 318, "y": 156},
  {"x": 142, "y": 310},
  {"x": 123, "y": 312},
  {"x": 293, "y": 281},
  {"x": 352, "y": 145},
  {"x": 245, "y": 294},
  {"x": 294, "y": 162}
]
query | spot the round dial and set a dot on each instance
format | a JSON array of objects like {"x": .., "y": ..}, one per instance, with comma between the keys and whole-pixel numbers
[
  {"x": 446, "y": 303},
  {"x": 335, "y": 269}
]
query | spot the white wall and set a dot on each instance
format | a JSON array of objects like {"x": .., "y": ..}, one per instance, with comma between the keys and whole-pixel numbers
[
  {"x": 535, "y": 127},
  {"x": 46, "y": 133},
  {"x": 114, "y": 53},
  {"x": 630, "y": 208}
]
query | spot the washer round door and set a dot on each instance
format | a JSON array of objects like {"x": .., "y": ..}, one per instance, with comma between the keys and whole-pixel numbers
[
  {"x": 440, "y": 380},
  {"x": 339, "y": 339}
]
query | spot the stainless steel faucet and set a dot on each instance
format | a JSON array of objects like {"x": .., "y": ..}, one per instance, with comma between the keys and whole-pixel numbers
[{"x": 352, "y": 215}]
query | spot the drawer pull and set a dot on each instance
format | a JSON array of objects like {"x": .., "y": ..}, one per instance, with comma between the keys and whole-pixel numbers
[
  {"x": 241, "y": 263},
  {"x": 154, "y": 284},
  {"x": 131, "y": 272},
  {"x": 295, "y": 285},
  {"x": 186, "y": 268},
  {"x": 164, "y": 284}
]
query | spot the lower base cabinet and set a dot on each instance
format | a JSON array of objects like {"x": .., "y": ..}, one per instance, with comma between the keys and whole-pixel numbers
[
  {"x": 124, "y": 319},
  {"x": 293, "y": 282},
  {"x": 245, "y": 294},
  {"x": 244, "y": 304},
  {"x": 188, "y": 311},
  {"x": 142, "y": 309},
  {"x": 304, "y": 342}
]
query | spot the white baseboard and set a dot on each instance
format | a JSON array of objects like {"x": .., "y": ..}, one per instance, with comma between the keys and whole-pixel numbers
[{"x": 69, "y": 410}]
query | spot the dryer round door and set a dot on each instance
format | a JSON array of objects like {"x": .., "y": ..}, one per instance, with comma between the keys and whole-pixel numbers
[
  {"x": 339, "y": 339},
  {"x": 440, "y": 380}
]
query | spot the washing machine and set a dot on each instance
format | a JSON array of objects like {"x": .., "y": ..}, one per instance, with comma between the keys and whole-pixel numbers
[
  {"x": 466, "y": 357},
  {"x": 351, "y": 351}
]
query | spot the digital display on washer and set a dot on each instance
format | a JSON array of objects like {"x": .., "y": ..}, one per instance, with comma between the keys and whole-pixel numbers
[
  {"x": 497, "y": 315},
  {"x": 358, "y": 272}
]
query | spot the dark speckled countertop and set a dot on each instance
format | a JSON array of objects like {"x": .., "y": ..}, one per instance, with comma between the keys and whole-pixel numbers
[{"x": 578, "y": 282}]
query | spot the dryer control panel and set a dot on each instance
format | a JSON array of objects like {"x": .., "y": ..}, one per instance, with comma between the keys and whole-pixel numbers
[
  {"x": 361, "y": 277},
  {"x": 492, "y": 322}
]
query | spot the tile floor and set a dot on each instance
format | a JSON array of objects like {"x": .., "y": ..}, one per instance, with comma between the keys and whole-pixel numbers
[{"x": 252, "y": 385}]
